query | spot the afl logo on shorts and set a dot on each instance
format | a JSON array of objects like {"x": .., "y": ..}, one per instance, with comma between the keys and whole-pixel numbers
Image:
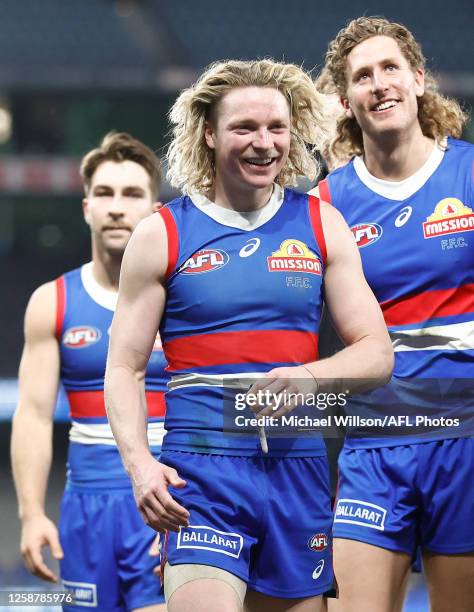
[
  {"x": 205, "y": 261},
  {"x": 80, "y": 337},
  {"x": 366, "y": 233},
  {"x": 318, "y": 542}
]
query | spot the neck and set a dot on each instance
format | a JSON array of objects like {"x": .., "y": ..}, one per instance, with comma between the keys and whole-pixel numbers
[
  {"x": 240, "y": 200},
  {"x": 396, "y": 157},
  {"x": 106, "y": 268}
]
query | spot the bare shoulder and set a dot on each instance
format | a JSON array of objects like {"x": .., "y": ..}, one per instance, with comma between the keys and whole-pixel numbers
[
  {"x": 40, "y": 316},
  {"x": 338, "y": 236},
  {"x": 147, "y": 251}
]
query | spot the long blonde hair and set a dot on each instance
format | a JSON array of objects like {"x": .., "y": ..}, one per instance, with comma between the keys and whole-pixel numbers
[
  {"x": 438, "y": 115},
  {"x": 190, "y": 160}
]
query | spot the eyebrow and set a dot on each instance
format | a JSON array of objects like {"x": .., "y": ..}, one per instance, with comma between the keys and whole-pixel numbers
[{"x": 126, "y": 188}]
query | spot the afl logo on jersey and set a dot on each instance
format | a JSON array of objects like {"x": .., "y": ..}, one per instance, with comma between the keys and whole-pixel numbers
[
  {"x": 318, "y": 542},
  {"x": 366, "y": 233},
  {"x": 450, "y": 217},
  {"x": 294, "y": 256},
  {"x": 205, "y": 261},
  {"x": 80, "y": 337}
]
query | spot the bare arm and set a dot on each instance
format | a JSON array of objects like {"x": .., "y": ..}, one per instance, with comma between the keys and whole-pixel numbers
[
  {"x": 135, "y": 325},
  {"x": 31, "y": 442},
  {"x": 367, "y": 359}
]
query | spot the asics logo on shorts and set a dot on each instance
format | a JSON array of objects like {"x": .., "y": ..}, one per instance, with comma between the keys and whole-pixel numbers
[
  {"x": 318, "y": 570},
  {"x": 359, "y": 512},
  {"x": 207, "y": 538}
]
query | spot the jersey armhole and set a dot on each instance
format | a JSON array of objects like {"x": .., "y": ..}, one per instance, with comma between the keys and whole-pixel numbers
[
  {"x": 324, "y": 192},
  {"x": 314, "y": 205},
  {"x": 173, "y": 241},
  {"x": 60, "y": 306}
]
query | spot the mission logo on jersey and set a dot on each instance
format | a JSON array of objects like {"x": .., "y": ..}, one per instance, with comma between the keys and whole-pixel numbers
[
  {"x": 450, "y": 217},
  {"x": 366, "y": 233},
  {"x": 207, "y": 260},
  {"x": 81, "y": 336},
  {"x": 293, "y": 255}
]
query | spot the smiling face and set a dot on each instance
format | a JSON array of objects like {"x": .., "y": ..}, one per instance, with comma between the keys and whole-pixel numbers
[
  {"x": 250, "y": 137},
  {"x": 118, "y": 198},
  {"x": 382, "y": 88}
]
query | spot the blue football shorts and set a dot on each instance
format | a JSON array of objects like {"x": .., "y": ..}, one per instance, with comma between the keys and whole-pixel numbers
[
  {"x": 402, "y": 497},
  {"x": 266, "y": 520},
  {"x": 106, "y": 564}
]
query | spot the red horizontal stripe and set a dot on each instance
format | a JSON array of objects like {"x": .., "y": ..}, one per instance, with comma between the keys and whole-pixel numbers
[
  {"x": 429, "y": 305},
  {"x": 91, "y": 404},
  {"x": 263, "y": 346}
]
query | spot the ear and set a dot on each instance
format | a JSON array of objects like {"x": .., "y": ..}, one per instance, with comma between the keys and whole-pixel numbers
[
  {"x": 85, "y": 211},
  {"x": 209, "y": 135},
  {"x": 419, "y": 82},
  {"x": 157, "y": 206},
  {"x": 347, "y": 108}
]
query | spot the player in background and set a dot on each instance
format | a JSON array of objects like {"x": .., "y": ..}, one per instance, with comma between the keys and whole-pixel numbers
[
  {"x": 216, "y": 269},
  {"x": 407, "y": 195},
  {"x": 102, "y": 543}
]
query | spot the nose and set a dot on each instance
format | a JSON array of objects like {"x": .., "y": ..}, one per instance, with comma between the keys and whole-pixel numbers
[
  {"x": 116, "y": 209},
  {"x": 379, "y": 81},
  {"x": 262, "y": 139}
]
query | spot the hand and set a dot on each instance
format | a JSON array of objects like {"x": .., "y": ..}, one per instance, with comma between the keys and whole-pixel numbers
[
  {"x": 37, "y": 532},
  {"x": 282, "y": 390},
  {"x": 150, "y": 486}
]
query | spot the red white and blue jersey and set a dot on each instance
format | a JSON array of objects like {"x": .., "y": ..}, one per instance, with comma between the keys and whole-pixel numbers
[
  {"x": 416, "y": 241},
  {"x": 244, "y": 295},
  {"x": 84, "y": 316}
]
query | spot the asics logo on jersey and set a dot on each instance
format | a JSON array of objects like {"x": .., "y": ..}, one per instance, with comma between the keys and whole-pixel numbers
[
  {"x": 80, "y": 337},
  {"x": 403, "y": 217},
  {"x": 366, "y": 233},
  {"x": 294, "y": 255},
  {"x": 450, "y": 216},
  {"x": 250, "y": 247},
  {"x": 318, "y": 570},
  {"x": 207, "y": 260},
  {"x": 318, "y": 542}
]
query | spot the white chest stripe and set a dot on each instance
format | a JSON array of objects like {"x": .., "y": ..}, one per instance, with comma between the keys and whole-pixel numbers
[
  {"x": 101, "y": 433},
  {"x": 454, "y": 337}
]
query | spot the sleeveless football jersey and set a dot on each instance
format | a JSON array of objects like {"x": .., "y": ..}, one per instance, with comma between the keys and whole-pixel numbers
[
  {"x": 244, "y": 295},
  {"x": 416, "y": 241},
  {"x": 84, "y": 316}
]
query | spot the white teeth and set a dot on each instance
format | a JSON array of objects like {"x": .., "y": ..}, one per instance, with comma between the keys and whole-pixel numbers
[
  {"x": 385, "y": 105},
  {"x": 259, "y": 162}
]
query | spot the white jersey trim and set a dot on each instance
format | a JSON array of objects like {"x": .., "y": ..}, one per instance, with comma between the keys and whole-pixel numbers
[
  {"x": 400, "y": 190},
  {"x": 105, "y": 298},
  {"x": 454, "y": 337},
  {"x": 236, "y": 381},
  {"x": 101, "y": 433},
  {"x": 247, "y": 221}
]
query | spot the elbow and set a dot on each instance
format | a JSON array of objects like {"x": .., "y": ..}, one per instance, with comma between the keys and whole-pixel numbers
[{"x": 386, "y": 361}]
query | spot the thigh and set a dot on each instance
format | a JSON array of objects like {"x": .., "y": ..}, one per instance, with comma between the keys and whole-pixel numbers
[
  {"x": 450, "y": 581},
  {"x": 293, "y": 557},
  {"x": 139, "y": 586},
  {"x": 257, "y": 602},
  {"x": 377, "y": 502},
  {"x": 221, "y": 494},
  {"x": 446, "y": 482},
  {"x": 369, "y": 578},
  {"x": 89, "y": 568}
]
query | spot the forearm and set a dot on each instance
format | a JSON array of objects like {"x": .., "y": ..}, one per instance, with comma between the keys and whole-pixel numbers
[
  {"x": 363, "y": 365},
  {"x": 31, "y": 463},
  {"x": 127, "y": 413}
]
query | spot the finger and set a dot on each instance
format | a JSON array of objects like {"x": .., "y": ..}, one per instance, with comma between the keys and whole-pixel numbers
[
  {"x": 55, "y": 545},
  {"x": 156, "y": 517},
  {"x": 155, "y": 547},
  {"x": 261, "y": 384},
  {"x": 38, "y": 567}
]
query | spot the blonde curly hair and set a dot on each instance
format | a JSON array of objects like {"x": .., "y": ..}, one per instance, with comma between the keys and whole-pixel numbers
[
  {"x": 190, "y": 160},
  {"x": 438, "y": 115}
]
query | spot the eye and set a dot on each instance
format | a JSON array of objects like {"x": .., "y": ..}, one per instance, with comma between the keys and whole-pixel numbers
[
  {"x": 363, "y": 76},
  {"x": 390, "y": 67}
]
